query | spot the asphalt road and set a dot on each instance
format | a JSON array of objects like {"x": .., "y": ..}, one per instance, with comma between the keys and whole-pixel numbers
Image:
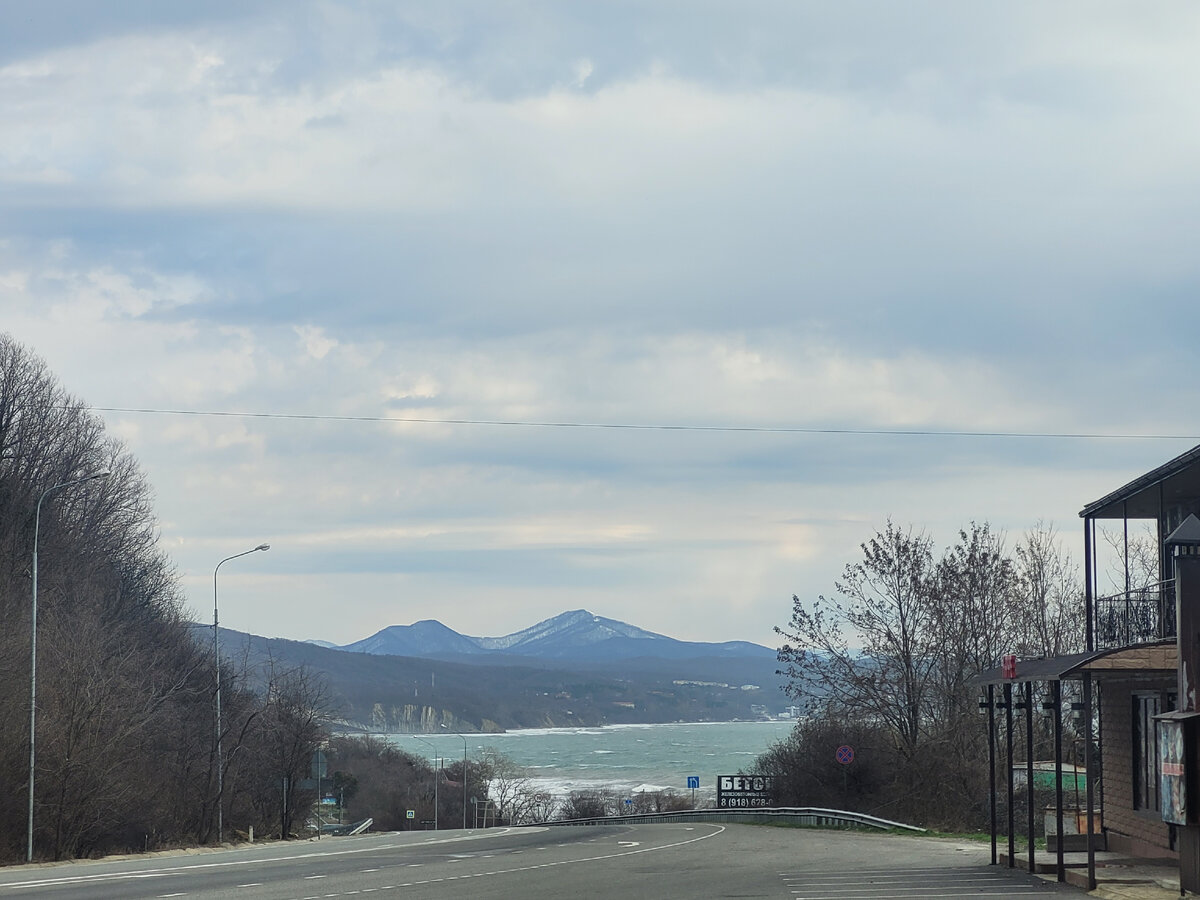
[{"x": 662, "y": 862}]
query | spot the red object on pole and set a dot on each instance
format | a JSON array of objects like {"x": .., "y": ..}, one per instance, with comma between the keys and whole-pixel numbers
[{"x": 1008, "y": 665}]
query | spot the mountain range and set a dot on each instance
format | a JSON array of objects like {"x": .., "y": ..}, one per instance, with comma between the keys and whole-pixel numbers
[
  {"x": 577, "y": 635},
  {"x": 575, "y": 669}
]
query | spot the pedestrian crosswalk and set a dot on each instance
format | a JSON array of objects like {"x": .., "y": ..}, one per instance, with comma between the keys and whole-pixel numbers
[{"x": 913, "y": 884}]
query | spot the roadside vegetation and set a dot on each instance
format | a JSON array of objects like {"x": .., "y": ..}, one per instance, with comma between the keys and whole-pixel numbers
[
  {"x": 125, "y": 739},
  {"x": 884, "y": 665}
]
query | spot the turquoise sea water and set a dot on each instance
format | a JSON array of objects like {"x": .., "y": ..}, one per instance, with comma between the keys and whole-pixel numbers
[{"x": 624, "y": 758}]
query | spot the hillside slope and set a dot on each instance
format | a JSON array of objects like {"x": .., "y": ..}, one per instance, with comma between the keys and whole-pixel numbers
[{"x": 494, "y": 692}]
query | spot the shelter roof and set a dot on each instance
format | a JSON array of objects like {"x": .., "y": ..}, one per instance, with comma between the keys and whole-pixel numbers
[
  {"x": 1178, "y": 480},
  {"x": 1159, "y": 657},
  {"x": 1043, "y": 668}
]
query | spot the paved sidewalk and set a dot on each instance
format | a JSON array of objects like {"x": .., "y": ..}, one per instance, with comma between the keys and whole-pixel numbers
[
  {"x": 1117, "y": 877},
  {"x": 1130, "y": 879},
  {"x": 1125, "y": 878}
]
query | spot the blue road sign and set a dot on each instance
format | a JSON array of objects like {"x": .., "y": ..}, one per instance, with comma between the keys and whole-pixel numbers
[
  {"x": 845, "y": 754},
  {"x": 693, "y": 781}
]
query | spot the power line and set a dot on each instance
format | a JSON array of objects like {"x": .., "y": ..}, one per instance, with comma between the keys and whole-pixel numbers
[{"x": 630, "y": 426}]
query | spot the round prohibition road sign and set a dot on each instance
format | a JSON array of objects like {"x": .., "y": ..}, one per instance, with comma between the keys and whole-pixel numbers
[{"x": 845, "y": 754}]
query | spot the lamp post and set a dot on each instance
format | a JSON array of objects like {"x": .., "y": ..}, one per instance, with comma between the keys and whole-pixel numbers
[
  {"x": 217, "y": 673},
  {"x": 37, "y": 523},
  {"x": 464, "y": 774}
]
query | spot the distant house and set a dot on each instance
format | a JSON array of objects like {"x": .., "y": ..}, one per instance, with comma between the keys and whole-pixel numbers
[{"x": 1125, "y": 679}]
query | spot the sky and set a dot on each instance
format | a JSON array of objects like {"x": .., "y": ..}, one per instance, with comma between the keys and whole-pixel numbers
[{"x": 825, "y": 264}]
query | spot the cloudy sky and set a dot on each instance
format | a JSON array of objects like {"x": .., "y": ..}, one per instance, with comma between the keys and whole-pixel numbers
[{"x": 829, "y": 238}]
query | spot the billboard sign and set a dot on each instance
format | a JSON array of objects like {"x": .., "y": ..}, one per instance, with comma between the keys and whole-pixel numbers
[{"x": 744, "y": 791}]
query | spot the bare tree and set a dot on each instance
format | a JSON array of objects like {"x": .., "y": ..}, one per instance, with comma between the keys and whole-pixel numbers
[
  {"x": 116, "y": 664},
  {"x": 1133, "y": 557},
  {"x": 893, "y": 655},
  {"x": 517, "y": 800},
  {"x": 872, "y": 648},
  {"x": 586, "y": 805},
  {"x": 273, "y": 754},
  {"x": 1049, "y": 612}
]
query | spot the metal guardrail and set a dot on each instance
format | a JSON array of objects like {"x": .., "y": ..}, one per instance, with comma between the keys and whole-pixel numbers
[
  {"x": 795, "y": 815},
  {"x": 348, "y": 829},
  {"x": 1136, "y": 616}
]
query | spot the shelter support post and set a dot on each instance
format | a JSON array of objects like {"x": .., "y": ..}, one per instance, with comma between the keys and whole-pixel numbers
[
  {"x": 1091, "y": 781},
  {"x": 991, "y": 705},
  {"x": 1060, "y": 866},
  {"x": 1031, "y": 816},
  {"x": 1008, "y": 758}
]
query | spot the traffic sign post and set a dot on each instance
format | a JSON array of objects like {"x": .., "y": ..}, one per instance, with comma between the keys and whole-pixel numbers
[
  {"x": 845, "y": 755},
  {"x": 693, "y": 783}
]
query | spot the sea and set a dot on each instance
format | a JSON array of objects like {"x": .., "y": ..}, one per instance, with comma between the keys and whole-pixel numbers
[{"x": 626, "y": 759}]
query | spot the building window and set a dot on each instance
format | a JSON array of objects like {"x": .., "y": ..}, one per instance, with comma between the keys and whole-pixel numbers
[{"x": 1145, "y": 747}]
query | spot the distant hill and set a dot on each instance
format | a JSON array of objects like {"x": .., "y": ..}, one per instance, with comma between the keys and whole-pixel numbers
[
  {"x": 575, "y": 669},
  {"x": 577, "y": 635}
]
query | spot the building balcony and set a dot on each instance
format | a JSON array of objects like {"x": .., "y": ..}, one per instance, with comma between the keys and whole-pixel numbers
[{"x": 1136, "y": 617}]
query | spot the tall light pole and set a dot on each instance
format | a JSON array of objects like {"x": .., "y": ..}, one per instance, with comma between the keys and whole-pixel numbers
[
  {"x": 464, "y": 737},
  {"x": 217, "y": 673},
  {"x": 37, "y": 524}
]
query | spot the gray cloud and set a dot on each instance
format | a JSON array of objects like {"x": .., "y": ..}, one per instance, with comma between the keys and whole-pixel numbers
[{"x": 930, "y": 217}]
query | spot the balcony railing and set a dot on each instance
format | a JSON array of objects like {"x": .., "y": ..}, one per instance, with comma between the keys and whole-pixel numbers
[{"x": 1136, "y": 617}]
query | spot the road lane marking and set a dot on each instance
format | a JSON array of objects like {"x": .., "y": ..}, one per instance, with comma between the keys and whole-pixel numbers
[
  {"x": 499, "y": 832},
  {"x": 720, "y": 829},
  {"x": 315, "y": 854},
  {"x": 905, "y": 884}
]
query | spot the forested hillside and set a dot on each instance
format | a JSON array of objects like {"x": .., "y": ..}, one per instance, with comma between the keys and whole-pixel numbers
[
  {"x": 384, "y": 693},
  {"x": 125, "y": 751}
]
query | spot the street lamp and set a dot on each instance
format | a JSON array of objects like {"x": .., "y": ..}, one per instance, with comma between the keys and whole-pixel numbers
[
  {"x": 464, "y": 737},
  {"x": 37, "y": 523},
  {"x": 217, "y": 672}
]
